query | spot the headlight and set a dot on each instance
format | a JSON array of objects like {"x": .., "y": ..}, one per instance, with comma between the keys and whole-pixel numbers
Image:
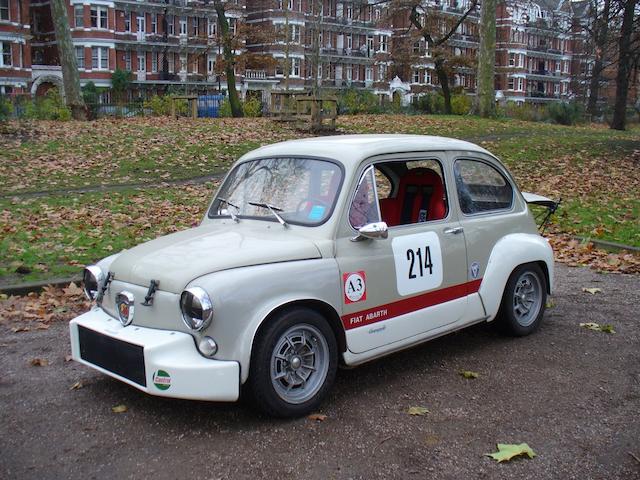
[
  {"x": 92, "y": 280},
  {"x": 197, "y": 309}
]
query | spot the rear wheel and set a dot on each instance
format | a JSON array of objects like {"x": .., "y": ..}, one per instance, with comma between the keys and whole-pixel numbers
[
  {"x": 293, "y": 364},
  {"x": 523, "y": 301}
]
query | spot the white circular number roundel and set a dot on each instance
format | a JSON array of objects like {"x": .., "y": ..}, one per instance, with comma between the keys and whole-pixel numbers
[{"x": 354, "y": 287}]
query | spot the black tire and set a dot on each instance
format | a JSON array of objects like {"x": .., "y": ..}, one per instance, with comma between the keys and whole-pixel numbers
[
  {"x": 513, "y": 317},
  {"x": 267, "y": 392}
]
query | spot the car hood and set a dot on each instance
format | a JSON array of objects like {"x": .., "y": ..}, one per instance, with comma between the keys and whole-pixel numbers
[{"x": 177, "y": 259}]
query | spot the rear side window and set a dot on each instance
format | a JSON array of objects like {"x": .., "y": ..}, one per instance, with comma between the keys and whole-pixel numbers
[{"x": 481, "y": 187}]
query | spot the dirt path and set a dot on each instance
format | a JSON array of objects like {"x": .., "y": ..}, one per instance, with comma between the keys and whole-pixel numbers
[{"x": 571, "y": 393}]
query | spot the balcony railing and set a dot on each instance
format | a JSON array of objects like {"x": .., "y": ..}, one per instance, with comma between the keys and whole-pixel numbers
[{"x": 255, "y": 74}]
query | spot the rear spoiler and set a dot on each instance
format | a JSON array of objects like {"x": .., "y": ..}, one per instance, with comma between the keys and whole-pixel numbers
[{"x": 551, "y": 206}]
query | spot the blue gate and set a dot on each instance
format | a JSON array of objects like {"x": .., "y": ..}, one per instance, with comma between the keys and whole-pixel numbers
[{"x": 209, "y": 105}]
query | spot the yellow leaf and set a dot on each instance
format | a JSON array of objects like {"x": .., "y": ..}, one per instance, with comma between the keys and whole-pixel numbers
[
  {"x": 76, "y": 386},
  {"x": 592, "y": 291},
  {"x": 39, "y": 362},
  {"x": 469, "y": 374},
  {"x": 318, "y": 417},
  {"x": 119, "y": 409},
  {"x": 418, "y": 411},
  {"x": 506, "y": 451}
]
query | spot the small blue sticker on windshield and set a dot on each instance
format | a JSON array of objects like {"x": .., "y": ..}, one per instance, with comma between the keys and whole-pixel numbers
[{"x": 316, "y": 213}]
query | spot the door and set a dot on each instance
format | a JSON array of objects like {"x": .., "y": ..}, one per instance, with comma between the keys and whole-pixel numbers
[
  {"x": 414, "y": 281},
  {"x": 140, "y": 27}
]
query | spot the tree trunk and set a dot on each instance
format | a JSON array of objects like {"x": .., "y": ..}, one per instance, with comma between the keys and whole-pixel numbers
[
  {"x": 229, "y": 60},
  {"x": 624, "y": 67},
  {"x": 67, "y": 54},
  {"x": 443, "y": 78},
  {"x": 601, "y": 39},
  {"x": 485, "y": 99}
]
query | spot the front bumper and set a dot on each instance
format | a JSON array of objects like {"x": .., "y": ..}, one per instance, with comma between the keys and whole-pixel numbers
[{"x": 158, "y": 362}]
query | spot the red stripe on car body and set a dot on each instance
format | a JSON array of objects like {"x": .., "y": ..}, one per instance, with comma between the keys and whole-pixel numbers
[{"x": 408, "y": 305}]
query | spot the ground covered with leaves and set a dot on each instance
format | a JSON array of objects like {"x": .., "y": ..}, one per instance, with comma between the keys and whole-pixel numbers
[{"x": 74, "y": 192}]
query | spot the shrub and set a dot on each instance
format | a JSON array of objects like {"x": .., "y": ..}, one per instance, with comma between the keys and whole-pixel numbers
[
  {"x": 120, "y": 80},
  {"x": 49, "y": 107},
  {"x": 565, "y": 113},
  {"x": 460, "y": 104},
  {"x": 252, "y": 108},
  {"x": 159, "y": 105},
  {"x": 431, "y": 102},
  {"x": 352, "y": 101},
  {"x": 90, "y": 96},
  {"x": 6, "y": 108},
  {"x": 225, "y": 108},
  {"x": 525, "y": 112}
]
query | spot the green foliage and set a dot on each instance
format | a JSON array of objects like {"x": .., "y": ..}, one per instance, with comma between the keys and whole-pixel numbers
[
  {"x": 460, "y": 104},
  {"x": 431, "y": 102},
  {"x": 6, "y": 108},
  {"x": 565, "y": 113},
  {"x": 526, "y": 112},
  {"x": 352, "y": 101},
  {"x": 120, "y": 80},
  {"x": 250, "y": 108},
  {"x": 160, "y": 105},
  {"x": 90, "y": 96},
  {"x": 48, "y": 107}
]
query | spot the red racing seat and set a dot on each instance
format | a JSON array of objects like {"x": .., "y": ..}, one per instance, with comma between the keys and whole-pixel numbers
[{"x": 420, "y": 198}]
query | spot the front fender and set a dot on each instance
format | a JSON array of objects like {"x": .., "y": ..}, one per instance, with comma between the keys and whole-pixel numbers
[
  {"x": 244, "y": 297},
  {"x": 509, "y": 252}
]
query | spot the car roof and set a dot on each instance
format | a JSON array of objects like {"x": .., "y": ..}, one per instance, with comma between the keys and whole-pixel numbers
[{"x": 352, "y": 149}]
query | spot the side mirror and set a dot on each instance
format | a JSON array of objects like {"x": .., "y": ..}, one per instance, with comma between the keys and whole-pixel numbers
[{"x": 372, "y": 230}]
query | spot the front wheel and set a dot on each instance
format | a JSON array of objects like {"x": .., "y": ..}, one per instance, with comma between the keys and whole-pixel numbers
[
  {"x": 523, "y": 301},
  {"x": 293, "y": 364}
]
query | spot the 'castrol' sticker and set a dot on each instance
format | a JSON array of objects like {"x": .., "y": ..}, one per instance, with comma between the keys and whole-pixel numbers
[{"x": 355, "y": 287}]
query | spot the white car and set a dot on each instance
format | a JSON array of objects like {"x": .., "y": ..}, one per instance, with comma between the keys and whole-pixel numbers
[{"x": 316, "y": 253}]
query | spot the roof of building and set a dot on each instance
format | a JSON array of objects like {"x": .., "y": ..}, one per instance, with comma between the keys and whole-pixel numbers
[{"x": 352, "y": 149}]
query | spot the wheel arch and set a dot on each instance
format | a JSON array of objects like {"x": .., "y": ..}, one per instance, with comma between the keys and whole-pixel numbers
[
  {"x": 326, "y": 310},
  {"x": 508, "y": 254}
]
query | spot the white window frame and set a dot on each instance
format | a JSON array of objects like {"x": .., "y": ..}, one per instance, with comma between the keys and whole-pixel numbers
[
  {"x": 142, "y": 62},
  {"x": 171, "y": 28},
  {"x": 295, "y": 67},
  {"x": 127, "y": 21},
  {"x": 212, "y": 27},
  {"x": 154, "y": 23},
  {"x": 5, "y": 11},
  {"x": 184, "y": 24},
  {"x": 127, "y": 60},
  {"x": 383, "y": 46},
  {"x": 100, "y": 58},
  {"x": 101, "y": 14},
  {"x": 154, "y": 62},
  {"x": 80, "y": 60},
  {"x": 5, "y": 53},
  {"x": 78, "y": 15},
  {"x": 416, "y": 75}
]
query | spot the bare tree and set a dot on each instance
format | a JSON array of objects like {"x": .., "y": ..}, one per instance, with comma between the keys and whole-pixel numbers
[
  {"x": 436, "y": 28},
  {"x": 485, "y": 105},
  {"x": 67, "y": 55},
  {"x": 625, "y": 63}
]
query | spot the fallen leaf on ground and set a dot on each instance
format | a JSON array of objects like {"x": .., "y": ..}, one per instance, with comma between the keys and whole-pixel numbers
[
  {"x": 506, "y": 451},
  {"x": 469, "y": 374},
  {"x": 72, "y": 290},
  {"x": 20, "y": 329},
  {"x": 68, "y": 358},
  {"x": 592, "y": 291},
  {"x": 39, "y": 362},
  {"x": 418, "y": 411},
  {"x": 119, "y": 409},
  {"x": 318, "y": 417},
  {"x": 550, "y": 304},
  {"x": 606, "y": 328},
  {"x": 76, "y": 386}
]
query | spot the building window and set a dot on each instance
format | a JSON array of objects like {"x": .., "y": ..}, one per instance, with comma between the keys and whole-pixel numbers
[
  {"x": 5, "y": 54},
  {"x": 211, "y": 65},
  {"x": 78, "y": 15},
  {"x": 142, "y": 61},
  {"x": 510, "y": 84},
  {"x": 280, "y": 68},
  {"x": 382, "y": 73},
  {"x": 154, "y": 23},
  {"x": 213, "y": 27},
  {"x": 384, "y": 43},
  {"x": 416, "y": 75},
  {"x": 80, "y": 57},
  {"x": 233, "y": 25},
  {"x": 171, "y": 61},
  {"x": 349, "y": 42},
  {"x": 127, "y": 60},
  {"x": 196, "y": 26},
  {"x": 170, "y": 27},
  {"x": 349, "y": 72},
  {"x": 154, "y": 61},
  {"x": 295, "y": 67},
  {"x": 512, "y": 59},
  {"x": 427, "y": 77},
  {"x": 127, "y": 21},
  {"x": 520, "y": 85},
  {"x": 368, "y": 72},
  {"x": 98, "y": 17},
  {"x": 4, "y": 9},
  {"x": 556, "y": 89},
  {"x": 183, "y": 25},
  {"x": 99, "y": 58}
]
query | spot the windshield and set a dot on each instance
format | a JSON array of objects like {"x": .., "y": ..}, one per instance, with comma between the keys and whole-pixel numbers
[{"x": 301, "y": 190}]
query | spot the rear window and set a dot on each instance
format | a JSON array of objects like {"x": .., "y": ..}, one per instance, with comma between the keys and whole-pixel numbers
[{"x": 481, "y": 187}]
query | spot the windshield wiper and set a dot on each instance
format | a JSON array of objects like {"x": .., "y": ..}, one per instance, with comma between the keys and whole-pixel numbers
[
  {"x": 273, "y": 209},
  {"x": 234, "y": 217}
]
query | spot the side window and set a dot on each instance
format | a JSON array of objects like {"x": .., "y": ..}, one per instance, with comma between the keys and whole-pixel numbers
[
  {"x": 364, "y": 207},
  {"x": 417, "y": 192},
  {"x": 481, "y": 187}
]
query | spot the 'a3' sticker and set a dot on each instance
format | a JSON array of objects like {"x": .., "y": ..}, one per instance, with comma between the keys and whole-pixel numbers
[{"x": 355, "y": 287}]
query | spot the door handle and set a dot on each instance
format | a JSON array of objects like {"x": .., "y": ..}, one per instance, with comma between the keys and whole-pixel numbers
[{"x": 453, "y": 230}]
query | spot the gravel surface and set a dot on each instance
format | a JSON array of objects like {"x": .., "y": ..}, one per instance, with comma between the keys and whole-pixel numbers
[{"x": 572, "y": 394}]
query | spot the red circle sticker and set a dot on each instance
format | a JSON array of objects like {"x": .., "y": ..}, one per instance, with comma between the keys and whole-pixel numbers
[{"x": 355, "y": 287}]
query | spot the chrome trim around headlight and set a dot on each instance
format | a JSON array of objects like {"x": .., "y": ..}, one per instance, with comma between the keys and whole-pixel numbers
[
  {"x": 92, "y": 280},
  {"x": 192, "y": 300}
]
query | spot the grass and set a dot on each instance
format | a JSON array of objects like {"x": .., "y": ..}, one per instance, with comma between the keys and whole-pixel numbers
[{"x": 591, "y": 167}]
